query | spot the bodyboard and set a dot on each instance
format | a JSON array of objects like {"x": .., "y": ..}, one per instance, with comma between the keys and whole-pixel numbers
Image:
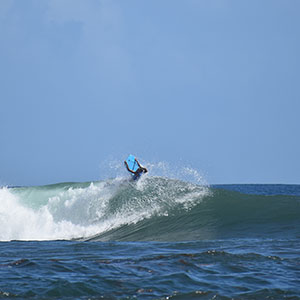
[{"x": 132, "y": 164}]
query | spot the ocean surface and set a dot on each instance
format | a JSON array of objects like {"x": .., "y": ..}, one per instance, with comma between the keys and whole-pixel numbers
[{"x": 158, "y": 238}]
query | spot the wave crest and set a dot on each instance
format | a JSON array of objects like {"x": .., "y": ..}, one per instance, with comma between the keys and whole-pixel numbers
[{"x": 152, "y": 209}]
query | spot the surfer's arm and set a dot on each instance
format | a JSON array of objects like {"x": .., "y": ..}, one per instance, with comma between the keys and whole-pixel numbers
[
  {"x": 144, "y": 169},
  {"x": 125, "y": 162},
  {"x": 138, "y": 163}
]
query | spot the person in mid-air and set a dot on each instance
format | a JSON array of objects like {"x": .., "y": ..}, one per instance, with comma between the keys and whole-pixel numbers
[{"x": 138, "y": 172}]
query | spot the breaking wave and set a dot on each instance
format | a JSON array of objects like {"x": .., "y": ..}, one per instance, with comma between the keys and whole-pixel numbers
[{"x": 153, "y": 209}]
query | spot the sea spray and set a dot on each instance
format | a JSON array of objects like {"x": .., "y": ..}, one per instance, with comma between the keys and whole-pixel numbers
[{"x": 113, "y": 168}]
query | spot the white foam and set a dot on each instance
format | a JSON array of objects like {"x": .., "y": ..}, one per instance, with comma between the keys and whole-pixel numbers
[
  {"x": 18, "y": 222},
  {"x": 82, "y": 212}
]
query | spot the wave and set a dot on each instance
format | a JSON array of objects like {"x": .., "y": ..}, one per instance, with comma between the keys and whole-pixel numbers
[{"x": 152, "y": 209}]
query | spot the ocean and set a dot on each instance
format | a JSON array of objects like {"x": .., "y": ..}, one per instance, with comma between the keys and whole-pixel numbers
[{"x": 158, "y": 238}]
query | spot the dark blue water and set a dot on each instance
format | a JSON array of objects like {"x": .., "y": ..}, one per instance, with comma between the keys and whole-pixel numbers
[
  {"x": 262, "y": 189},
  {"x": 224, "y": 242}
]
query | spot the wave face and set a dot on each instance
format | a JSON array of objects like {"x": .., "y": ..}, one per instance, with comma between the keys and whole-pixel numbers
[{"x": 153, "y": 209}]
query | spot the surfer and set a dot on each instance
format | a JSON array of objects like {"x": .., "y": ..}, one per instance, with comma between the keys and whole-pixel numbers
[{"x": 138, "y": 172}]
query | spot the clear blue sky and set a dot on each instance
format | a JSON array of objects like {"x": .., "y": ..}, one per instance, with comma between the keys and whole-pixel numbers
[{"x": 210, "y": 84}]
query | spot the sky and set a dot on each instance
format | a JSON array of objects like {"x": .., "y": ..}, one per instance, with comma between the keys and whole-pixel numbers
[{"x": 213, "y": 85}]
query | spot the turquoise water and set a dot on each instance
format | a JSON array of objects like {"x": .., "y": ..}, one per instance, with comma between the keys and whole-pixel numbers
[{"x": 156, "y": 239}]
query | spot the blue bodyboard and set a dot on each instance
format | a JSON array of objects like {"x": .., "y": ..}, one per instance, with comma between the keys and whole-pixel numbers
[{"x": 132, "y": 164}]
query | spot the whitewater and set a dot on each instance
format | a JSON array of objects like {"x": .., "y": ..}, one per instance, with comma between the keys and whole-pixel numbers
[{"x": 82, "y": 210}]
